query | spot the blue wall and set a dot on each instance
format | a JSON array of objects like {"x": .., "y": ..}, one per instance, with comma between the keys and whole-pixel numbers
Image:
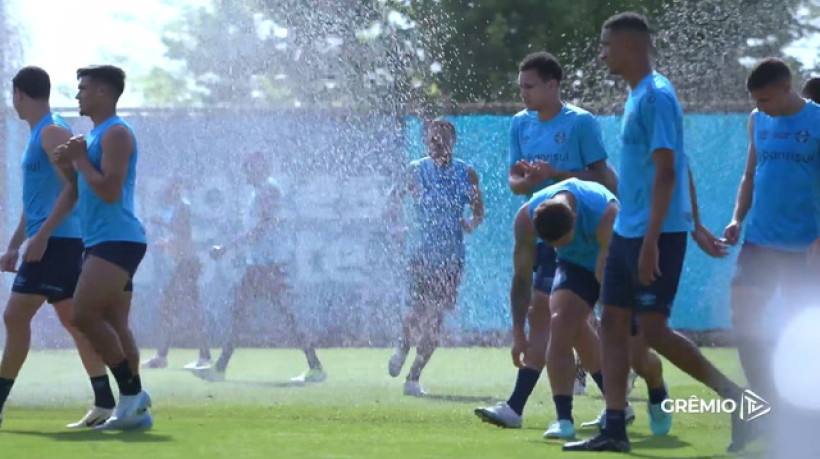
[{"x": 716, "y": 145}]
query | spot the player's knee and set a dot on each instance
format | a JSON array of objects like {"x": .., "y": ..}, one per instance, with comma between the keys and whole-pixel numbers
[{"x": 15, "y": 318}]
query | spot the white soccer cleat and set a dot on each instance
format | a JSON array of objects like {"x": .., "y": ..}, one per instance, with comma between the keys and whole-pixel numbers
[
  {"x": 131, "y": 413},
  {"x": 500, "y": 415},
  {"x": 630, "y": 381},
  {"x": 600, "y": 421},
  {"x": 397, "y": 361},
  {"x": 314, "y": 375},
  {"x": 209, "y": 374},
  {"x": 413, "y": 389},
  {"x": 155, "y": 362},
  {"x": 199, "y": 364},
  {"x": 96, "y": 416}
]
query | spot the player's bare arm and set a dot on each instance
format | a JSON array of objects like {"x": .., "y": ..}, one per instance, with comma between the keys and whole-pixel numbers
[
  {"x": 521, "y": 289},
  {"x": 603, "y": 234},
  {"x": 744, "y": 194},
  {"x": 117, "y": 147},
  {"x": 476, "y": 202}
]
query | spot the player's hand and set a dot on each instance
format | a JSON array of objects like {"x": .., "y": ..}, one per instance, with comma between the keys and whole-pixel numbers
[
  {"x": 732, "y": 232},
  {"x": 217, "y": 252},
  {"x": 76, "y": 148},
  {"x": 519, "y": 349},
  {"x": 648, "y": 263},
  {"x": 8, "y": 261},
  {"x": 35, "y": 249},
  {"x": 709, "y": 243},
  {"x": 542, "y": 170},
  {"x": 468, "y": 225}
]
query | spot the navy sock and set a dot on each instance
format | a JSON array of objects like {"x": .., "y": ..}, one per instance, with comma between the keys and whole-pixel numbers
[
  {"x": 5, "y": 389},
  {"x": 524, "y": 384},
  {"x": 615, "y": 424},
  {"x": 599, "y": 380},
  {"x": 126, "y": 381},
  {"x": 563, "y": 407},
  {"x": 103, "y": 396},
  {"x": 657, "y": 396}
]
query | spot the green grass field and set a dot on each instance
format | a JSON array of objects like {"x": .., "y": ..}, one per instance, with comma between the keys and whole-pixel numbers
[{"x": 359, "y": 412}]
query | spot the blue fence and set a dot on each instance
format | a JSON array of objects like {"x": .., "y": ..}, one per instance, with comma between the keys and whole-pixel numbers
[{"x": 716, "y": 145}]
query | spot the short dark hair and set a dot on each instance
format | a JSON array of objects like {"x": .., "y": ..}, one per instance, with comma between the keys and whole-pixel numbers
[
  {"x": 108, "y": 74},
  {"x": 766, "y": 72},
  {"x": 545, "y": 64},
  {"x": 628, "y": 22},
  {"x": 33, "y": 81},
  {"x": 811, "y": 89},
  {"x": 441, "y": 121},
  {"x": 553, "y": 220}
]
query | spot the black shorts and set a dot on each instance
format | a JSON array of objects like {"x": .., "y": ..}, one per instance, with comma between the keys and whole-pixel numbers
[
  {"x": 621, "y": 287},
  {"x": 438, "y": 278},
  {"x": 767, "y": 269},
  {"x": 126, "y": 255},
  {"x": 545, "y": 264},
  {"x": 55, "y": 275},
  {"x": 582, "y": 282}
]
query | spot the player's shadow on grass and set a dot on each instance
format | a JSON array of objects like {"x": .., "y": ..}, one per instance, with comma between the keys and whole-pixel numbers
[
  {"x": 271, "y": 384},
  {"x": 134, "y": 436},
  {"x": 631, "y": 399},
  {"x": 485, "y": 400}
]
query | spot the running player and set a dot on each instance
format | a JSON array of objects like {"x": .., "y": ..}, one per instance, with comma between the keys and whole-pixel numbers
[
  {"x": 51, "y": 262},
  {"x": 645, "y": 259},
  {"x": 576, "y": 218},
  {"x": 180, "y": 298},
  {"x": 549, "y": 141},
  {"x": 114, "y": 239},
  {"x": 781, "y": 228},
  {"x": 441, "y": 187},
  {"x": 267, "y": 277}
]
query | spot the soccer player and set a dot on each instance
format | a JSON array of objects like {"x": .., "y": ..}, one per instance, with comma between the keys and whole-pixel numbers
[
  {"x": 782, "y": 229},
  {"x": 441, "y": 187},
  {"x": 106, "y": 169},
  {"x": 645, "y": 259},
  {"x": 269, "y": 258},
  {"x": 549, "y": 141},
  {"x": 51, "y": 261},
  {"x": 180, "y": 298},
  {"x": 811, "y": 90},
  {"x": 576, "y": 218}
]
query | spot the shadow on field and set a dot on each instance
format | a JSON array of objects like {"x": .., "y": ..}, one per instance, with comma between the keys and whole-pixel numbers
[
  {"x": 480, "y": 399},
  {"x": 133, "y": 436}
]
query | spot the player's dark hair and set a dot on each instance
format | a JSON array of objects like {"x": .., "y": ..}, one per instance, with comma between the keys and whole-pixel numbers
[
  {"x": 768, "y": 71},
  {"x": 442, "y": 122},
  {"x": 811, "y": 89},
  {"x": 33, "y": 81},
  {"x": 628, "y": 22},
  {"x": 553, "y": 220},
  {"x": 108, "y": 74},
  {"x": 545, "y": 64}
]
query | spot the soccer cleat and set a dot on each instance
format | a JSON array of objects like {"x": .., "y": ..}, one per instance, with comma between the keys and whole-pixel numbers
[
  {"x": 155, "y": 362},
  {"x": 500, "y": 415},
  {"x": 562, "y": 429},
  {"x": 580, "y": 387},
  {"x": 314, "y": 375},
  {"x": 209, "y": 374},
  {"x": 94, "y": 417},
  {"x": 600, "y": 421},
  {"x": 743, "y": 432},
  {"x": 198, "y": 364},
  {"x": 660, "y": 422},
  {"x": 131, "y": 413},
  {"x": 630, "y": 381},
  {"x": 599, "y": 443},
  {"x": 413, "y": 389},
  {"x": 397, "y": 361}
]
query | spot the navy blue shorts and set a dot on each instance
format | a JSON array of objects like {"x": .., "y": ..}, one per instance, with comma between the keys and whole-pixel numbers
[
  {"x": 582, "y": 282},
  {"x": 766, "y": 268},
  {"x": 55, "y": 275},
  {"x": 621, "y": 287},
  {"x": 126, "y": 255},
  {"x": 546, "y": 261}
]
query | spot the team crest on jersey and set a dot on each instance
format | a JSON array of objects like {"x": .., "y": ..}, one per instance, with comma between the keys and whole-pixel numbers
[
  {"x": 561, "y": 137},
  {"x": 802, "y": 136}
]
